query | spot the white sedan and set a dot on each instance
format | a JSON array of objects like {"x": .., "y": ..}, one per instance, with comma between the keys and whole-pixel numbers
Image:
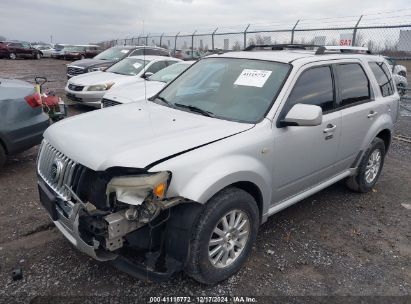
[
  {"x": 144, "y": 89},
  {"x": 88, "y": 89}
]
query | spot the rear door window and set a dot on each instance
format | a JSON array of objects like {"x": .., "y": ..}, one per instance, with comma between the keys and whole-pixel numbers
[
  {"x": 313, "y": 87},
  {"x": 353, "y": 84},
  {"x": 383, "y": 76}
]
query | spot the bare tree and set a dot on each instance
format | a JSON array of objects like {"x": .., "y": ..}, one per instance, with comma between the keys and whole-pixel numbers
[
  {"x": 259, "y": 39},
  {"x": 251, "y": 41},
  {"x": 236, "y": 46}
]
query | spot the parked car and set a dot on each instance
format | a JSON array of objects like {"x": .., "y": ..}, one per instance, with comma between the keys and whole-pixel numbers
[
  {"x": 110, "y": 56},
  {"x": 401, "y": 83},
  {"x": 18, "y": 49},
  {"x": 22, "y": 122},
  {"x": 59, "y": 50},
  {"x": 190, "y": 175},
  {"x": 142, "y": 90},
  {"x": 46, "y": 50},
  {"x": 187, "y": 54},
  {"x": 398, "y": 68},
  {"x": 88, "y": 89},
  {"x": 77, "y": 52}
]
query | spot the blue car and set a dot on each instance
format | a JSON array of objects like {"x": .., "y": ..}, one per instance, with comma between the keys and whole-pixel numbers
[{"x": 22, "y": 122}]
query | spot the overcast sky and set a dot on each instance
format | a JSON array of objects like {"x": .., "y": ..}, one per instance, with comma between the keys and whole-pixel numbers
[{"x": 83, "y": 21}]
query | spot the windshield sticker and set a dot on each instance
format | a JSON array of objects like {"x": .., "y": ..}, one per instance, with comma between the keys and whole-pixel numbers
[
  {"x": 253, "y": 78},
  {"x": 124, "y": 51},
  {"x": 136, "y": 65}
]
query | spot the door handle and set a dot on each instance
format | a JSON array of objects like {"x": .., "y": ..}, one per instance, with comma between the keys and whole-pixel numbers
[
  {"x": 372, "y": 114},
  {"x": 330, "y": 128}
]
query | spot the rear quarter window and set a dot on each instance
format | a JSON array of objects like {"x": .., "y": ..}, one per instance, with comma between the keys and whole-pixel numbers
[{"x": 383, "y": 77}]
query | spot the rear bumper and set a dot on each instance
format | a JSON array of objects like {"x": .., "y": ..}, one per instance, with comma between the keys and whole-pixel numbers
[{"x": 23, "y": 137}]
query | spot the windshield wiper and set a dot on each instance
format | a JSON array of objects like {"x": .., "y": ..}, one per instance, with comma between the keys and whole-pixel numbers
[
  {"x": 195, "y": 109},
  {"x": 164, "y": 101}
]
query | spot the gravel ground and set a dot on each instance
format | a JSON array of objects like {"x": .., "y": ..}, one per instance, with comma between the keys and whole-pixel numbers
[{"x": 334, "y": 243}]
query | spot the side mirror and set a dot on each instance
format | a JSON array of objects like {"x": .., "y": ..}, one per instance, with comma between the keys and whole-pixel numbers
[
  {"x": 147, "y": 75},
  {"x": 303, "y": 115}
]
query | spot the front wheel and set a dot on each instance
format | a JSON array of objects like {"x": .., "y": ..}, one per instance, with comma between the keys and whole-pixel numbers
[
  {"x": 37, "y": 56},
  {"x": 12, "y": 56},
  {"x": 369, "y": 169},
  {"x": 223, "y": 236}
]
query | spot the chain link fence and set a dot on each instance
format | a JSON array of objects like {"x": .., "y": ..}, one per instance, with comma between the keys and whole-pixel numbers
[{"x": 390, "y": 39}]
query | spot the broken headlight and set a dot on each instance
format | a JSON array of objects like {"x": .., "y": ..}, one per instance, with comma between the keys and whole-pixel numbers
[{"x": 134, "y": 190}]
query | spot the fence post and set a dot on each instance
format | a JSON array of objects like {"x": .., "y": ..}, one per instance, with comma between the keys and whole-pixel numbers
[
  {"x": 245, "y": 35},
  {"x": 292, "y": 31},
  {"x": 175, "y": 42},
  {"x": 212, "y": 39},
  {"x": 161, "y": 39},
  {"x": 354, "y": 34},
  {"x": 192, "y": 44}
]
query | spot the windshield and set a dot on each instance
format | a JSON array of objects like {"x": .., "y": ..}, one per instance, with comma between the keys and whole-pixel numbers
[
  {"x": 128, "y": 66},
  {"x": 169, "y": 73},
  {"x": 229, "y": 88},
  {"x": 114, "y": 53}
]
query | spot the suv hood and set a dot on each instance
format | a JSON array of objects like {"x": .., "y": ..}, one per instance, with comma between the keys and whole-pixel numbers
[
  {"x": 135, "y": 135},
  {"x": 87, "y": 63},
  {"x": 135, "y": 91}
]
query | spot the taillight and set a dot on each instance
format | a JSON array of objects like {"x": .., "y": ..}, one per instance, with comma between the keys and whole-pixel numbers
[{"x": 34, "y": 100}]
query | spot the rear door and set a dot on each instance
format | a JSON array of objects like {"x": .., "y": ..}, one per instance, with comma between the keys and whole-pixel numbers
[
  {"x": 305, "y": 156},
  {"x": 358, "y": 106}
]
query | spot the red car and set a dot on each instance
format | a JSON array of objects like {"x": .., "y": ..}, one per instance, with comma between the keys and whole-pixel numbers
[
  {"x": 78, "y": 52},
  {"x": 17, "y": 49}
]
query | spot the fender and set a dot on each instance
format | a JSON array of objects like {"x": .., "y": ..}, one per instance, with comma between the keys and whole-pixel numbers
[
  {"x": 220, "y": 174},
  {"x": 383, "y": 122}
]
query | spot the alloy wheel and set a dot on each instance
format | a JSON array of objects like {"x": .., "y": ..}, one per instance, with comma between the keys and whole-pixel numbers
[
  {"x": 373, "y": 166},
  {"x": 228, "y": 238}
]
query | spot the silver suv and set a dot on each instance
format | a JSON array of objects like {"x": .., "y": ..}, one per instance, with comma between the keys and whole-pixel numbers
[{"x": 187, "y": 177}]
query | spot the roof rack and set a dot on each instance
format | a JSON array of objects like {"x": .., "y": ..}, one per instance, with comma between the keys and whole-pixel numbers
[
  {"x": 343, "y": 49},
  {"x": 277, "y": 47}
]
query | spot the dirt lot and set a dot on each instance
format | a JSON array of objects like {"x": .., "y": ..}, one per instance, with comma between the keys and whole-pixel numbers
[{"x": 335, "y": 243}]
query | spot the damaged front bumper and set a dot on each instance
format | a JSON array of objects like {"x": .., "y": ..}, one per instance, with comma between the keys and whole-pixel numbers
[{"x": 175, "y": 237}]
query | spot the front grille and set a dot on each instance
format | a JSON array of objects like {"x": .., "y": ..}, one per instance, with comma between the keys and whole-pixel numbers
[
  {"x": 57, "y": 170},
  {"x": 74, "y": 87},
  {"x": 109, "y": 103},
  {"x": 73, "y": 71}
]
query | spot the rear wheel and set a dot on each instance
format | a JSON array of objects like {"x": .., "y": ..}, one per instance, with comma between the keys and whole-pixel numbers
[
  {"x": 401, "y": 89},
  {"x": 37, "y": 56},
  {"x": 223, "y": 237},
  {"x": 12, "y": 56},
  {"x": 82, "y": 57},
  {"x": 2, "y": 156},
  {"x": 369, "y": 169}
]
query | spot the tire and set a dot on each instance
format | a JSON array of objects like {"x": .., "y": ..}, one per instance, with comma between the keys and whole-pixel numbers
[
  {"x": 37, "y": 56},
  {"x": 82, "y": 57},
  {"x": 401, "y": 89},
  {"x": 199, "y": 266},
  {"x": 365, "y": 180},
  {"x": 3, "y": 156},
  {"x": 12, "y": 56}
]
